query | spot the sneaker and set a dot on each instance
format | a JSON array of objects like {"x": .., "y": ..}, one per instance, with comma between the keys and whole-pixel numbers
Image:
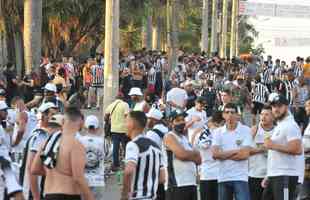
[{"x": 114, "y": 169}]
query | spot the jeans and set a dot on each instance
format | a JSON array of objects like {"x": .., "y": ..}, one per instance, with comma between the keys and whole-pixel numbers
[
  {"x": 117, "y": 139},
  {"x": 238, "y": 189}
]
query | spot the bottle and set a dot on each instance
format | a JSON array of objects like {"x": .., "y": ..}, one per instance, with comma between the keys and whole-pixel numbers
[{"x": 119, "y": 176}]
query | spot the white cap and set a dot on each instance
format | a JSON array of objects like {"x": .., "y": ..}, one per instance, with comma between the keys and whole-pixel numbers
[
  {"x": 57, "y": 119},
  {"x": 50, "y": 87},
  {"x": 199, "y": 73},
  {"x": 3, "y": 105},
  {"x": 155, "y": 114},
  {"x": 45, "y": 106},
  {"x": 92, "y": 120},
  {"x": 135, "y": 91}
]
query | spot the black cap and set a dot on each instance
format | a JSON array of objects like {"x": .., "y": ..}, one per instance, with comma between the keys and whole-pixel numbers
[
  {"x": 2, "y": 92},
  {"x": 275, "y": 98},
  {"x": 201, "y": 99},
  {"x": 177, "y": 113}
]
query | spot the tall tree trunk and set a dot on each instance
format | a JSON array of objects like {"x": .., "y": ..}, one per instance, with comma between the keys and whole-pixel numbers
[
  {"x": 111, "y": 51},
  {"x": 214, "y": 36},
  {"x": 147, "y": 33},
  {"x": 205, "y": 27},
  {"x": 233, "y": 35},
  {"x": 18, "y": 43},
  {"x": 157, "y": 34},
  {"x": 172, "y": 30},
  {"x": 32, "y": 33},
  {"x": 223, "y": 49}
]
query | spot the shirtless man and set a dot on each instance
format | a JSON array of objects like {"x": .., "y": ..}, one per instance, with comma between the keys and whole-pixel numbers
[{"x": 66, "y": 180}]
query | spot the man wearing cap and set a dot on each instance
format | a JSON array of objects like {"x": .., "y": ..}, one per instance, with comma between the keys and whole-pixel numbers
[
  {"x": 94, "y": 145},
  {"x": 188, "y": 86},
  {"x": 117, "y": 112},
  {"x": 50, "y": 91},
  {"x": 7, "y": 175},
  {"x": 39, "y": 136},
  {"x": 157, "y": 131},
  {"x": 285, "y": 155},
  {"x": 196, "y": 116},
  {"x": 138, "y": 103}
]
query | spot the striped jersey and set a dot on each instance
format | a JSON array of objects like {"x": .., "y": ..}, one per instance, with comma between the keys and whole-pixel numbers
[
  {"x": 260, "y": 93},
  {"x": 97, "y": 75},
  {"x": 149, "y": 160},
  {"x": 267, "y": 76},
  {"x": 287, "y": 88},
  {"x": 298, "y": 71}
]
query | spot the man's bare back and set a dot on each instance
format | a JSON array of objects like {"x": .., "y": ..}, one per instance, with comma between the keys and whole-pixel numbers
[{"x": 59, "y": 179}]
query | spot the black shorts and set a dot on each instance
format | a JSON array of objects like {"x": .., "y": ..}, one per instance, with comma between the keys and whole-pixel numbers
[
  {"x": 62, "y": 197},
  {"x": 257, "y": 108},
  {"x": 280, "y": 186}
]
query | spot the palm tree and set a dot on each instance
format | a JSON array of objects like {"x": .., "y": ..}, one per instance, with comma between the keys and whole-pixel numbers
[{"x": 32, "y": 33}]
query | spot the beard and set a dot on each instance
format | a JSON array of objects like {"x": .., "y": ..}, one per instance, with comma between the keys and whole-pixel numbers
[{"x": 281, "y": 117}]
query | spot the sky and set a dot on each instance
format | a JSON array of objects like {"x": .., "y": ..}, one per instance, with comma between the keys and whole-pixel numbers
[{"x": 270, "y": 28}]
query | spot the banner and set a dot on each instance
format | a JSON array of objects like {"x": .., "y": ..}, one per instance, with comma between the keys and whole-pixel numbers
[{"x": 273, "y": 10}]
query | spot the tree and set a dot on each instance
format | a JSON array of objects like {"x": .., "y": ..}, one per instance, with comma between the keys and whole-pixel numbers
[
  {"x": 32, "y": 33},
  {"x": 111, "y": 51}
]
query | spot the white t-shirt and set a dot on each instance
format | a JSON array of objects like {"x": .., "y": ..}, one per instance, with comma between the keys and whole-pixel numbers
[
  {"x": 192, "y": 113},
  {"x": 258, "y": 162},
  {"x": 282, "y": 164},
  {"x": 230, "y": 170},
  {"x": 209, "y": 168},
  {"x": 177, "y": 96},
  {"x": 94, "y": 170}
]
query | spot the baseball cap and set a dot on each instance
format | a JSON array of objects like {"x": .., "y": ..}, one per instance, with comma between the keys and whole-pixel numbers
[
  {"x": 2, "y": 92},
  {"x": 155, "y": 114},
  {"x": 177, "y": 113},
  {"x": 92, "y": 120},
  {"x": 135, "y": 91},
  {"x": 201, "y": 99},
  {"x": 56, "y": 119},
  {"x": 275, "y": 98},
  {"x": 3, "y": 105},
  {"x": 45, "y": 106},
  {"x": 50, "y": 87}
]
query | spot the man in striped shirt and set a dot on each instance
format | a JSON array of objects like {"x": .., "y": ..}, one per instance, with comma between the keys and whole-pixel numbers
[
  {"x": 259, "y": 97},
  {"x": 288, "y": 87},
  {"x": 96, "y": 88},
  {"x": 144, "y": 168}
]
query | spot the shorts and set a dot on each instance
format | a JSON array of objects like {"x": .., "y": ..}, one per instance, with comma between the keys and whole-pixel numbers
[
  {"x": 257, "y": 108},
  {"x": 62, "y": 197}
]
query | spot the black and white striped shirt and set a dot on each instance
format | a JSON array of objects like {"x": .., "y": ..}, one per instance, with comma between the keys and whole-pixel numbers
[
  {"x": 267, "y": 76},
  {"x": 260, "y": 93},
  {"x": 149, "y": 160},
  {"x": 288, "y": 87}
]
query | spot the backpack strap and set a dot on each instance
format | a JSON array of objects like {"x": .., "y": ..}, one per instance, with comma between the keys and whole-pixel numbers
[{"x": 158, "y": 132}]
